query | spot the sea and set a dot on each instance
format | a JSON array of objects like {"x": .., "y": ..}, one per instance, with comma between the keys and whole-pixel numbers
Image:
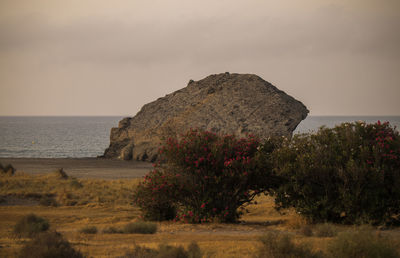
[{"x": 82, "y": 137}]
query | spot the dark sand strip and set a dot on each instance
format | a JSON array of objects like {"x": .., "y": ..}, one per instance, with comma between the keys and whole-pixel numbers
[{"x": 81, "y": 167}]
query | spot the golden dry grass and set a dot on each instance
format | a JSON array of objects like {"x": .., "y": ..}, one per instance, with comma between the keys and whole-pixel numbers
[{"x": 106, "y": 203}]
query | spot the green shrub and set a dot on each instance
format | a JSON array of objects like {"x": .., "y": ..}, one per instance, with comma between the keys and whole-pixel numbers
[
  {"x": 325, "y": 230},
  {"x": 205, "y": 177},
  {"x": 363, "y": 243},
  {"x": 346, "y": 174},
  {"x": 88, "y": 230},
  {"x": 112, "y": 230},
  {"x": 165, "y": 251},
  {"x": 30, "y": 225},
  {"x": 49, "y": 244},
  {"x": 155, "y": 205},
  {"x": 7, "y": 170},
  {"x": 141, "y": 252},
  {"x": 275, "y": 245},
  {"x": 140, "y": 227}
]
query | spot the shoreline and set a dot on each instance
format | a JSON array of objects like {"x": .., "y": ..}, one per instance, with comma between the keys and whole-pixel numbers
[{"x": 81, "y": 167}]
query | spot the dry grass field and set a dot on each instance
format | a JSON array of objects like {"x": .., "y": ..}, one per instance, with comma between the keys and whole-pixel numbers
[{"x": 70, "y": 204}]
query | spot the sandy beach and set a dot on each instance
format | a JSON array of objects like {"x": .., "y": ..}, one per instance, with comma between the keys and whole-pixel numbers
[{"x": 81, "y": 167}]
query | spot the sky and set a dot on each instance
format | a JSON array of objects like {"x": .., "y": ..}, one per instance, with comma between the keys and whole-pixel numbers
[{"x": 101, "y": 57}]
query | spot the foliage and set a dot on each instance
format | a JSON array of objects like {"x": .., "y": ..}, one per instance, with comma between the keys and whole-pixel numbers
[
  {"x": 88, "y": 230},
  {"x": 155, "y": 204},
  {"x": 362, "y": 243},
  {"x": 346, "y": 174},
  {"x": 165, "y": 251},
  {"x": 49, "y": 244},
  {"x": 112, "y": 230},
  {"x": 30, "y": 225},
  {"x": 140, "y": 227},
  {"x": 281, "y": 246},
  {"x": 205, "y": 177}
]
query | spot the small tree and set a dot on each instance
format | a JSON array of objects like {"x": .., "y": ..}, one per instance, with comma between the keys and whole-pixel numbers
[
  {"x": 206, "y": 176},
  {"x": 348, "y": 174}
]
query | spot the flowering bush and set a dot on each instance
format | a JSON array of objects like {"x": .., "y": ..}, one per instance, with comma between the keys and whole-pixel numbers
[
  {"x": 348, "y": 174},
  {"x": 206, "y": 177}
]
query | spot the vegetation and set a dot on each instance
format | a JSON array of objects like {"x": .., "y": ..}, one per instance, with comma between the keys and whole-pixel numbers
[
  {"x": 140, "y": 227},
  {"x": 49, "y": 190},
  {"x": 88, "y": 230},
  {"x": 49, "y": 244},
  {"x": 362, "y": 243},
  {"x": 347, "y": 174},
  {"x": 325, "y": 230},
  {"x": 108, "y": 203},
  {"x": 281, "y": 246},
  {"x": 166, "y": 251},
  {"x": 30, "y": 225},
  {"x": 204, "y": 177}
]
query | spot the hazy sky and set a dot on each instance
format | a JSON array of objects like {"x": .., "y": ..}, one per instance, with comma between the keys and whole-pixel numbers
[{"x": 101, "y": 57}]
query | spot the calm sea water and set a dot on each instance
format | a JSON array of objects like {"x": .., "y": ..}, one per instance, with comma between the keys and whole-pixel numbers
[{"x": 76, "y": 137}]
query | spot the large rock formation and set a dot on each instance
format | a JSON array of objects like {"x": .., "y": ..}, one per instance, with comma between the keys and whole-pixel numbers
[{"x": 223, "y": 103}]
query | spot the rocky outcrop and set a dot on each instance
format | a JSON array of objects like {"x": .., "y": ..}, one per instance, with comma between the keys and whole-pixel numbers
[{"x": 224, "y": 103}]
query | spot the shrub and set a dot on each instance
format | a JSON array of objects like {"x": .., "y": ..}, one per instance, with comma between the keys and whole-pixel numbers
[
  {"x": 49, "y": 244},
  {"x": 325, "y": 230},
  {"x": 140, "y": 227},
  {"x": 363, "y": 243},
  {"x": 30, "y": 225},
  {"x": 346, "y": 174},
  {"x": 9, "y": 169},
  {"x": 112, "y": 230},
  {"x": 88, "y": 230},
  {"x": 205, "y": 177},
  {"x": 165, "y": 251},
  {"x": 155, "y": 205},
  {"x": 282, "y": 246}
]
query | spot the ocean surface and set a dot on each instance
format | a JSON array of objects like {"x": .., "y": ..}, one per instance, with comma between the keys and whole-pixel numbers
[{"x": 78, "y": 137}]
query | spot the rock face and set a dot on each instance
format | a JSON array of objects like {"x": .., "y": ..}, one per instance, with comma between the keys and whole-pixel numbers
[{"x": 224, "y": 103}]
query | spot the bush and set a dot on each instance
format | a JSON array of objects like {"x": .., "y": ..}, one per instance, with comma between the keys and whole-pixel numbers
[
  {"x": 154, "y": 204},
  {"x": 346, "y": 174},
  {"x": 30, "y": 225},
  {"x": 112, "y": 230},
  {"x": 49, "y": 244},
  {"x": 363, "y": 243},
  {"x": 88, "y": 230},
  {"x": 205, "y": 177},
  {"x": 7, "y": 170},
  {"x": 166, "y": 251},
  {"x": 140, "y": 227},
  {"x": 282, "y": 246}
]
